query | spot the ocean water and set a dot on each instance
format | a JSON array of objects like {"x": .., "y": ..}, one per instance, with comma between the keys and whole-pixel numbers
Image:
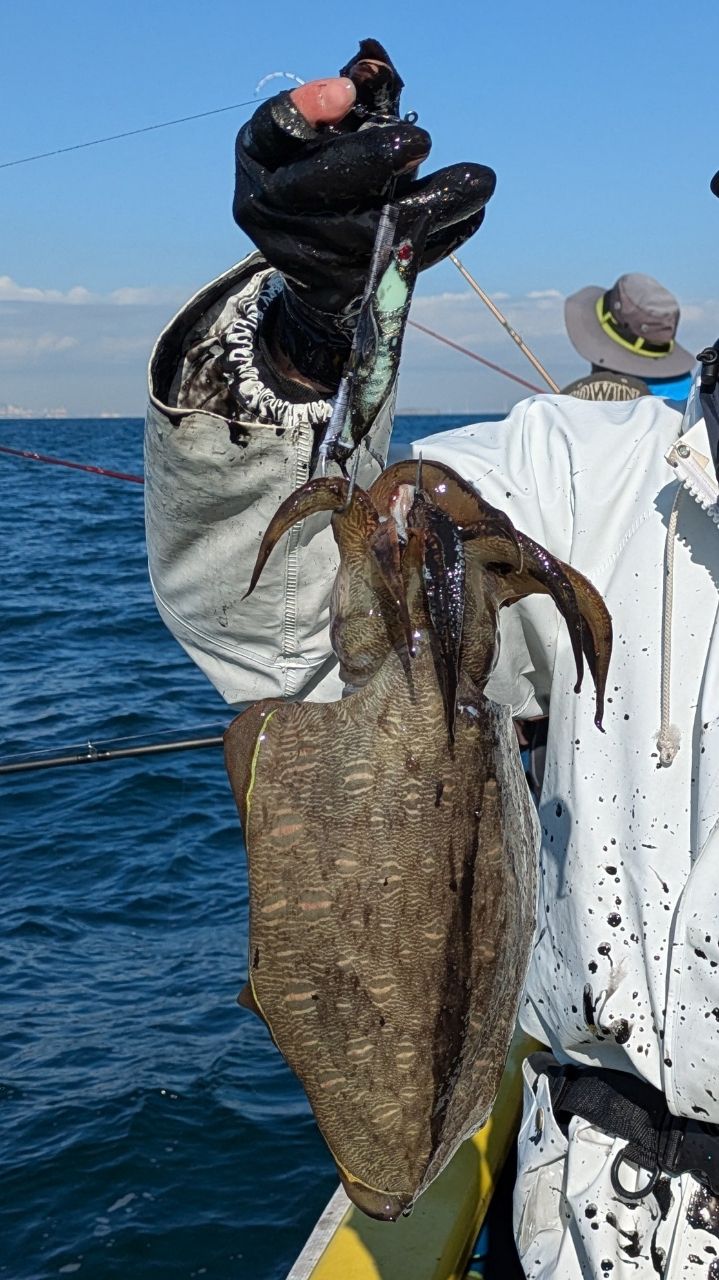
[{"x": 148, "y": 1127}]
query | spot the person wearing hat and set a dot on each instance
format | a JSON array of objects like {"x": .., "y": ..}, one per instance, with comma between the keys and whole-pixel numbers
[
  {"x": 619, "y": 1143},
  {"x": 628, "y": 335}
]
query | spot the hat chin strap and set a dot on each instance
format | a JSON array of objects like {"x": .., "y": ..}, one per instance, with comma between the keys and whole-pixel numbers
[{"x": 624, "y": 337}]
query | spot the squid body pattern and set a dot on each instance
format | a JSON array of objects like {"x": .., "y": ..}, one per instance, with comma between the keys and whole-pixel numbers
[{"x": 391, "y": 838}]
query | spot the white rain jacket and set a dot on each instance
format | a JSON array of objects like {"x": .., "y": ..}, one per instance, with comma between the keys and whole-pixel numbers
[
  {"x": 625, "y": 971},
  {"x": 629, "y": 884}
]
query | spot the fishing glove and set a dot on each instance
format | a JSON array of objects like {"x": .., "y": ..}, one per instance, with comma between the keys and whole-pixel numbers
[{"x": 310, "y": 199}]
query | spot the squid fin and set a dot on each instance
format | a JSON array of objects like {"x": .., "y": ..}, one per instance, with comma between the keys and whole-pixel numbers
[
  {"x": 246, "y": 1000},
  {"x": 240, "y": 740}
]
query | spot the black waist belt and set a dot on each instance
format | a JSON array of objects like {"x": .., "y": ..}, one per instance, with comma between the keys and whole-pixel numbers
[{"x": 626, "y": 1107}]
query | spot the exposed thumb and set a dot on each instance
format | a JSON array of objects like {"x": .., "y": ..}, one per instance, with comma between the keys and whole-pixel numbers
[{"x": 325, "y": 101}]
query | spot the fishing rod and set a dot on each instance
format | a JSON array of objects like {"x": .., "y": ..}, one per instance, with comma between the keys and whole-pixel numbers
[
  {"x": 505, "y": 325},
  {"x": 99, "y": 755},
  {"x": 76, "y": 466}
]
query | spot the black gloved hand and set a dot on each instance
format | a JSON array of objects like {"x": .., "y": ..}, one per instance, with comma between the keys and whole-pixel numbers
[{"x": 310, "y": 199}]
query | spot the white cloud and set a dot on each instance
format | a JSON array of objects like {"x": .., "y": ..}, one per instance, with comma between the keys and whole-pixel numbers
[
  {"x": 84, "y": 349},
  {"x": 702, "y": 313},
  {"x": 428, "y": 301},
  {"x": 32, "y": 345},
  {"x": 146, "y": 296},
  {"x": 78, "y": 295},
  {"x": 117, "y": 346},
  {"x": 10, "y": 291},
  {"x": 464, "y": 317}
]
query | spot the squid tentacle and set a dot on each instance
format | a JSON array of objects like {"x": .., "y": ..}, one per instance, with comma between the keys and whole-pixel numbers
[
  {"x": 384, "y": 545},
  {"x": 355, "y": 521},
  {"x": 586, "y": 615}
]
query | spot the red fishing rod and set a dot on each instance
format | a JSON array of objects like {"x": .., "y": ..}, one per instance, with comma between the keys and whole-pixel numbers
[
  {"x": 77, "y": 466},
  {"x": 473, "y": 356}
]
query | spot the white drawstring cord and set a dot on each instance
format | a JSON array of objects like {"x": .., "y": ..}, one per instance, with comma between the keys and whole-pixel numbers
[{"x": 669, "y": 737}]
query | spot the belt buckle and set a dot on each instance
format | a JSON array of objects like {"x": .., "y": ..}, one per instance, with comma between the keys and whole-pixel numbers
[{"x": 623, "y": 1192}]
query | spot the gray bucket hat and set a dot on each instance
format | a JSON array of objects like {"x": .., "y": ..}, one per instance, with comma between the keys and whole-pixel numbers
[{"x": 630, "y": 328}]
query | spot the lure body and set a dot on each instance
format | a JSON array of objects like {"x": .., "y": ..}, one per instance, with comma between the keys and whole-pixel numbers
[{"x": 377, "y": 343}]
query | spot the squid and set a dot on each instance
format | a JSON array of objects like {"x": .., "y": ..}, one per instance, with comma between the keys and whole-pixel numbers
[{"x": 391, "y": 839}]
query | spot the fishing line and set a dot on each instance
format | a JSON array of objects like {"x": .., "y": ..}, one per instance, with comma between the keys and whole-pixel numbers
[
  {"x": 164, "y": 124},
  {"x": 278, "y": 75},
  {"x": 128, "y": 133}
]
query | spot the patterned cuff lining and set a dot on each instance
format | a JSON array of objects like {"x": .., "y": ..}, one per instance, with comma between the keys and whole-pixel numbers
[{"x": 240, "y": 359}]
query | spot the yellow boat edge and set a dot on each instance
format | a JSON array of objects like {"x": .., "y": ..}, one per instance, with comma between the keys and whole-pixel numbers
[{"x": 435, "y": 1241}]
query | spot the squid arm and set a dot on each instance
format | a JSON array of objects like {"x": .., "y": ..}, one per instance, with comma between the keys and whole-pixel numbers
[
  {"x": 586, "y": 615},
  {"x": 329, "y": 493},
  {"x": 358, "y": 532}
]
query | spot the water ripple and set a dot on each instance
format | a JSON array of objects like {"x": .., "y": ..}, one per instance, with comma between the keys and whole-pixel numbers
[{"x": 147, "y": 1125}]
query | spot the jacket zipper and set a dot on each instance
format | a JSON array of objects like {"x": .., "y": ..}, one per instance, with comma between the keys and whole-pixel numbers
[{"x": 291, "y": 674}]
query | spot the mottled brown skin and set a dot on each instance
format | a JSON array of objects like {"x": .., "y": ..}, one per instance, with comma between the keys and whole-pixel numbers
[{"x": 391, "y": 841}]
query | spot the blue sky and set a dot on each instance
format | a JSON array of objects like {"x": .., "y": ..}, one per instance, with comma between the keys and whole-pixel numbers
[{"x": 596, "y": 118}]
